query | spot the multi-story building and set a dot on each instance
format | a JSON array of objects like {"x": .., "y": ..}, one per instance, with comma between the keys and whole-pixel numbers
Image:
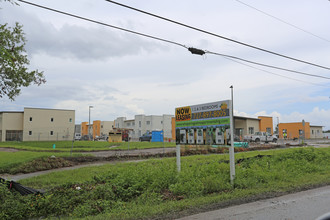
[
  {"x": 37, "y": 124},
  {"x": 98, "y": 128},
  {"x": 142, "y": 124}
]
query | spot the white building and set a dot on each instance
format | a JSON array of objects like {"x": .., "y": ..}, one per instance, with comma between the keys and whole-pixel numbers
[{"x": 142, "y": 124}]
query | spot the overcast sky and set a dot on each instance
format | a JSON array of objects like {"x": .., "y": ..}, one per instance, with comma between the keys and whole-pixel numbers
[{"x": 122, "y": 74}]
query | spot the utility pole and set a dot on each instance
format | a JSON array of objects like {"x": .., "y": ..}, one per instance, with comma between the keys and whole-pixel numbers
[{"x": 89, "y": 122}]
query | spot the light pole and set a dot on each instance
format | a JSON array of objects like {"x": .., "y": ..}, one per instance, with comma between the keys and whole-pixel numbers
[
  {"x": 231, "y": 148},
  {"x": 89, "y": 122}
]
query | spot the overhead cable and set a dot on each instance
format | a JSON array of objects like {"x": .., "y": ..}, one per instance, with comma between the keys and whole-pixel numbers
[
  {"x": 285, "y": 22},
  {"x": 191, "y": 49},
  {"x": 219, "y": 36},
  {"x": 104, "y": 24},
  {"x": 266, "y": 71}
]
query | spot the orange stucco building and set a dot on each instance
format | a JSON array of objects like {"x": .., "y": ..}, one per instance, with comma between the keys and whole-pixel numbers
[
  {"x": 266, "y": 124},
  {"x": 294, "y": 130},
  {"x": 96, "y": 128},
  {"x": 84, "y": 128}
]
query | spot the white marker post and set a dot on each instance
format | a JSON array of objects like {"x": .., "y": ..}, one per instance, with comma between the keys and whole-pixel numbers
[
  {"x": 231, "y": 148},
  {"x": 178, "y": 157}
]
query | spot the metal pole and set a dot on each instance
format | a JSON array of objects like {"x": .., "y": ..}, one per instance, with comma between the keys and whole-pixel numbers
[
  {"x": 231, "y": 149},
  {"x": 178, "y": 159},
  {"x": 163, "y": 137},
  {"x": 89, "y": 122}
]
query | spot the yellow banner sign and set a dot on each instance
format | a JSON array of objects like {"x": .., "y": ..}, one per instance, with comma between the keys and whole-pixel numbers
[{"x": 183, "y": 114}]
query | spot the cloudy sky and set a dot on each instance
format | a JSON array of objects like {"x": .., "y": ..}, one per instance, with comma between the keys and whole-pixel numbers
[{"x": 123, "y": 74}]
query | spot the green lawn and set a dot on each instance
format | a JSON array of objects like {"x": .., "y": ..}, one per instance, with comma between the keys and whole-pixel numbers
[
  {"x": 154, "y": 188},
  {"x": 79, "y": 146},
  {"x": 10, "y": 161}
]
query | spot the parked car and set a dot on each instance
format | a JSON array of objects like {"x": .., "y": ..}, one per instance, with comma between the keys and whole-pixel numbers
[
  {"x": 260, "y": 136},
  {"x": 77, "y": 136},
  {"x": 146, "y": 137}
]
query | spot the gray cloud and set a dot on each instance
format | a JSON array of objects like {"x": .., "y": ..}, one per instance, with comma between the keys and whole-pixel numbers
[{"x": 80, "y": 42}]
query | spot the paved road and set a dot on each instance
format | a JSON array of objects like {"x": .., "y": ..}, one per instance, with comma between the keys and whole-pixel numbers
[{"x": 306, "y": 205}]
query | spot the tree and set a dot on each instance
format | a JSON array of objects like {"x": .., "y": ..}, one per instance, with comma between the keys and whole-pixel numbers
[{"x": 14, "y": 73}]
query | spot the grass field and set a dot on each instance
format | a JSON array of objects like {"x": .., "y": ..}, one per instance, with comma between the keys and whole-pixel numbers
[
  {"x": 12, "y": 162},
  {"x": 80, "y": 146},
  {"x": 154, "y": 188}
]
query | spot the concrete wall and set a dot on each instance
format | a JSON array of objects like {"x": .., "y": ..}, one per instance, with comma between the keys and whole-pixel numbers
[
  {"x": 245, "y": 123},
  {"x": 10, "y": 121},
  {"x": 48, "y": 124},
  {"x": 106, "y": 127},
  {"x": 316, "y": 132}
]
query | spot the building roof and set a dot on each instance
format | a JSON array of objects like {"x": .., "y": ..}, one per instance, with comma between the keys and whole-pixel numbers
[
  {"x": 241, "y": 117},
  {"x": 51, "y": 109},
  {"x": 11, "y": 112}
]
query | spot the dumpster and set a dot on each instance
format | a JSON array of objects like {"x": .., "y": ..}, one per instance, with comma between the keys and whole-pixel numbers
[
  {"x": 115, "y": 137},
  {"x": 157, "y": 136}
]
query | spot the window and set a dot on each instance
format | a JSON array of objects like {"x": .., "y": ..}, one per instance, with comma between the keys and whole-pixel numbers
[
  {"x": 51, "y": 132},
  {"x": 30, "y": 132},
  {"x": 312, "y": 131},
  {"x": 128, "y": 124},
  {"x": 269, "y": 130},
  {"x": 148, "y": 122},
  {"x": 70, "y": 120},
  {"x": 140, "y": 124},
  {"x": 30, "y": 118},
  {"x": 251, "y": 130},
  {"x": 13, "y": 135},
  {"x": 133, "y": 123},
  {"x": 51, "y": 119},
  {"x": 101, "y": 126}
]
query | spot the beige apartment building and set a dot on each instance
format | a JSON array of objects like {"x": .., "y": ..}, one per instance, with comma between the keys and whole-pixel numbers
[{"x": 37, "y": 124}]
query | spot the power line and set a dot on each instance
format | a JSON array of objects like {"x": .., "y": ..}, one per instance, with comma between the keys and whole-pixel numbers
[
  {"x": 104, "y": 24},
  {"x": 192, "y": 50},
  {"x": 317, "y": 84},
  {"x": 219, "y": 36},
  {"x": 285, "y": 22},
  {"x": 265, "y": 65}
]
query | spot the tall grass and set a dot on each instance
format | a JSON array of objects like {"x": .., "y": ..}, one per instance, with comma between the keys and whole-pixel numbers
[{"x": 154, "y": 187}]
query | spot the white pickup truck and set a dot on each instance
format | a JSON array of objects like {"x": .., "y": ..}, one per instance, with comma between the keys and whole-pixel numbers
[{"x": 260, "y": 136}]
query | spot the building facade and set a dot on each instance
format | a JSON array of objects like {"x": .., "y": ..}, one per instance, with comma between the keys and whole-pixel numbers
[
  {"x": 266, "y": 124},
  {"x": 97, "y": 129},
  {"x": 294, "y": 130},
  {"x": 142, "y": 124},
  {"x": 37, "y": 124}
]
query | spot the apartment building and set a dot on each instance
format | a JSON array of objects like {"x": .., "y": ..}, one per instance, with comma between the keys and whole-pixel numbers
[
  {"x": 97, "y": 129},
  {"x": 146, "y": 123},
  {"x": 37, "y": 124}
]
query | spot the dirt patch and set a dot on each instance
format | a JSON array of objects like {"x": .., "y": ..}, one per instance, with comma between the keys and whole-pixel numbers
[
  {"x": 7, "y": 149},
  {"x": 42, "y": 164}
]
